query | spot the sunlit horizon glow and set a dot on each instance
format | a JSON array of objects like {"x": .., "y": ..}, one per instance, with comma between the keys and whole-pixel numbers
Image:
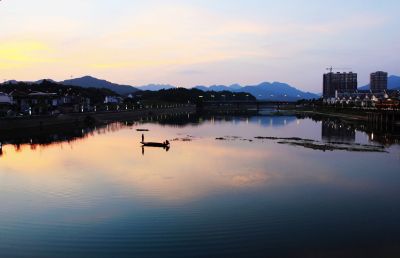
[{"x": 188, "y": 43}]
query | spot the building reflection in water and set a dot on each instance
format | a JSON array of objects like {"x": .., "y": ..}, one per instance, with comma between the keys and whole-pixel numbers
[
  {"x": 387, "y": 138},
  {"x": 335, "y": 131},
  {"x": 345, "y": 131}
]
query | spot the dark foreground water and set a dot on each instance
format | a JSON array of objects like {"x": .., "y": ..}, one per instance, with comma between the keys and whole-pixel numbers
[{"x": 96, "y": 193}]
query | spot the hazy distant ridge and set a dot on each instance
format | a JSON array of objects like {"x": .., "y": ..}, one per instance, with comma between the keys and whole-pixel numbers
[{"x": 265, "y": 91}]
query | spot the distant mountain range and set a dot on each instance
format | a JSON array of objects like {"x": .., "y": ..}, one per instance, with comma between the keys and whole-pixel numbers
[
  {"x": 263, "y": 91},
  {"x": 219, "y": 88},
  {"x": 393, "y": 83},
  {"x": 266, "y": 91},
  {"x": 156, "y": 87}
]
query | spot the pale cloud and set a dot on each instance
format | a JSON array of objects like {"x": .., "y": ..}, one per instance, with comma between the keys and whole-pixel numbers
[
  {"x": 147, "y": 42},
  {"x": 166, "y": 37}
]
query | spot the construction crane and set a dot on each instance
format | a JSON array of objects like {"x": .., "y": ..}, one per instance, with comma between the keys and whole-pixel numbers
[{"x": 330, "y": 69}]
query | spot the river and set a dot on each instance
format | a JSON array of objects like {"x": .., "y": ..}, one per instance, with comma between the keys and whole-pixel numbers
[{"x": 260, "y": 186}]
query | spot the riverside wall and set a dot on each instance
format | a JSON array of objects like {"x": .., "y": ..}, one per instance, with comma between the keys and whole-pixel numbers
[{"x": 17, "y": 123}]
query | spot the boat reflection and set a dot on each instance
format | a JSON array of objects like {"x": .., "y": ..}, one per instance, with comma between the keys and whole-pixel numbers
[{"x": 166, "y": 148}]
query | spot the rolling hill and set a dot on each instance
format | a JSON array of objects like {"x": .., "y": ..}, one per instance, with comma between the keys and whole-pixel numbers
[{"x": 91, "y": 82}]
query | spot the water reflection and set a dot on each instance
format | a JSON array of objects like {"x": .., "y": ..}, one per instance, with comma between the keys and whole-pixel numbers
[
  {"x": 40, "y": 138},
  {"x": 69, "y": 134},
  {"x": 346, "y": 131},
  {"x": 335, "y": 131},
  {"x": 166, "y": 149},
  {"x": 332, "y": 130},
  {"x": 99, "y": 197}
]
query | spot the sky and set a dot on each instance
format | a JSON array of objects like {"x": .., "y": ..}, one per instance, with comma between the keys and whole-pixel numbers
[{"x": 198, "y": 42}]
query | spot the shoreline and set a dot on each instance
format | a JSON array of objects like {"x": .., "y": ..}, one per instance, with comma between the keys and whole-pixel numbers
[
  {"x": 19, "y": 123},
  {"x": 341, "y": 115},
  {"x": 94, "y": 118},
  {"x": 388, "y": 117}
]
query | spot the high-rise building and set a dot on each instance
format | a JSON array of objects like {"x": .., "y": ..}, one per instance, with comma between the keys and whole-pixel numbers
[
  {"x": 379, "y": 81},
  {"x": 340, "y": 83}
]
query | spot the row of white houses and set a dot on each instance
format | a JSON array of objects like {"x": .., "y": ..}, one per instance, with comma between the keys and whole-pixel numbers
[{"x": 363, "y": 98}]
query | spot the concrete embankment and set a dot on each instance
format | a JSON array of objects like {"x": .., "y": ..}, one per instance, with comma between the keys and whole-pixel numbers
[
  {"x": 384, "y": 121},
  {"x": 82, "y": 118}
]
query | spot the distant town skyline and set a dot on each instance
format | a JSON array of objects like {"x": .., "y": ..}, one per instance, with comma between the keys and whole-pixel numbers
[{"x": 189, "y": 43}]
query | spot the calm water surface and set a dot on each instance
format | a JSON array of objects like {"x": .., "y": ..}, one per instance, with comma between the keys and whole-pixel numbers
[{"x": 101, "y": 196}]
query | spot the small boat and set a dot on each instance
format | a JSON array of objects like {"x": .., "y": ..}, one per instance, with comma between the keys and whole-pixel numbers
[{"x": 155, "y": 144}]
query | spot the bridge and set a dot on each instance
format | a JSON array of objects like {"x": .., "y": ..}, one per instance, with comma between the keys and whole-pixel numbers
[
  {"x": 240, "y": 104},
  {"x": 251, "y": 102}
]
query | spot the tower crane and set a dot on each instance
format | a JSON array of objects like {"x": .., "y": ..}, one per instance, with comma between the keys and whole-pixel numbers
[{"x": 330, "y": 69}]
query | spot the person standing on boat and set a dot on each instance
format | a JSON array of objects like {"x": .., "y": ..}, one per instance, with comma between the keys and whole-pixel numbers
[{"x": 142, "y": 138}]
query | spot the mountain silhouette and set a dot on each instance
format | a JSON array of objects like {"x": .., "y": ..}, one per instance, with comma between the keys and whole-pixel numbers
[
  {"x": 91, "y": 82},
  {"x": 275, "y": 91}
]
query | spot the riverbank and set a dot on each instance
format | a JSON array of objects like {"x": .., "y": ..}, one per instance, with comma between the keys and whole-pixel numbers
[
  {"x": 388, "y": 117},
  {"x": 342, "y": 115},
  {"x": 18, "y": 123}
]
